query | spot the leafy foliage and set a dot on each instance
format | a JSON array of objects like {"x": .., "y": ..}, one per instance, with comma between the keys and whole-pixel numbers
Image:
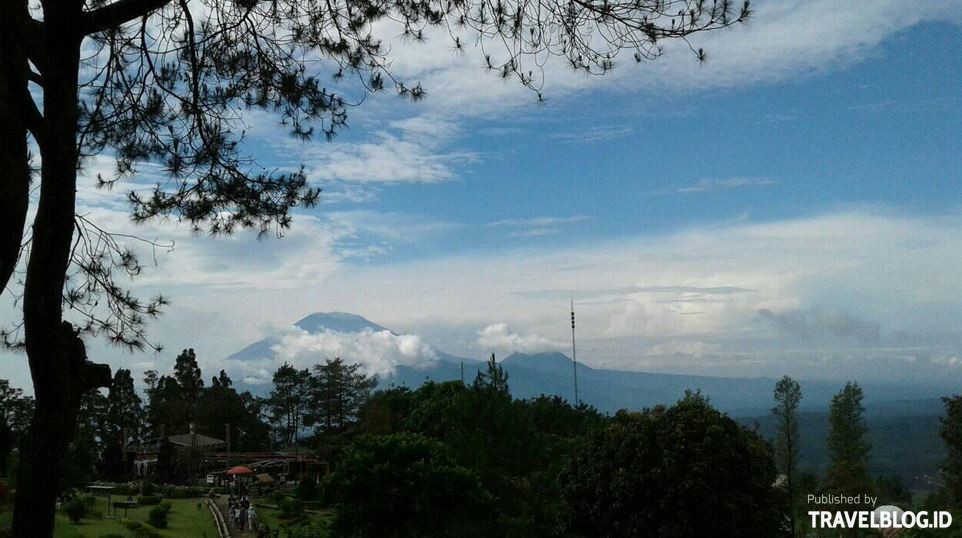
[
  {"x": 76, "y": 509},
  {"x": 287, "y": 402},
  {"x": 157, "y": 517},
  {"x": 952, "y": 435},
  {"x": 788, "y": 394},
  {"x": 404, "y": 485},
  {"x": 687, "y": 470},
  {"x": 848, "y": 443}
]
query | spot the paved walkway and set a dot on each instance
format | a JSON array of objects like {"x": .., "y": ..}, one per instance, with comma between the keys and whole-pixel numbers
[{"x": 221, "y": 502}]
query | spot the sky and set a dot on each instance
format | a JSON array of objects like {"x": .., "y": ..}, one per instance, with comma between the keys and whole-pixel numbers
[{"x": 790, "y": 206}]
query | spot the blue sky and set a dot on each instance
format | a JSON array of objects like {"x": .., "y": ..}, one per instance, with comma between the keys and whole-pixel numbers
[{"x": 791, "y": 206}]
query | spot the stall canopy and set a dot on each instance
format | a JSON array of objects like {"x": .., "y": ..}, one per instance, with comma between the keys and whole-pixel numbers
[{"x": 239, "y": 470}]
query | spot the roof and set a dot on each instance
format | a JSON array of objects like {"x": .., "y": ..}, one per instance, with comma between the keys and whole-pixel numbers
[{"x": 198, "y": 440}]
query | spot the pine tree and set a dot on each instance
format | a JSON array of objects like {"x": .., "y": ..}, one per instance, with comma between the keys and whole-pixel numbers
[
  {"x": 288, "y": 401},
  {"x": 338, "y": 390},
  {"x": 848, "y": 444},
  {"x": 951, "y": 432},
  {"x": 188, "y": 375},
  {"x": 787, "y": 394},
  {"x": 494, "y": 379},
  {"x": 121, "y": 425}
]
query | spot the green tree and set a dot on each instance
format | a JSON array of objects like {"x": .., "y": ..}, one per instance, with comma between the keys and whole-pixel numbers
[
  {"x": 848, "y": 443},
  {"x": 288, "y": 401},
  {"x": 494, "y": 379},
  {"x": 338, "y": 390},
  {"x": 84, "y": 451},
  {"x": 406, "y": 485},
  {"x": 121, "y": 425},
  {"x": 15, "y": 412},
  {"x": 221, "y": 406},
  {"x": 188, "y": 376},
  {"x": 787, "y": 394},
  {"x": 951, "y": 432},
  {"x": 517, "y": 447},
  {"x": 688, "y": 470}
]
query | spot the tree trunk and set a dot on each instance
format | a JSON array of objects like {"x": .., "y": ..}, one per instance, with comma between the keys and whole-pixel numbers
[
  {"x": 15, "y": 172},
  {"x": 58, "y": 365}
]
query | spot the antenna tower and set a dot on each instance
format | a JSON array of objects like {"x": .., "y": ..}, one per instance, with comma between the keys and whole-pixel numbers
[{"x": 574, "y": 353}]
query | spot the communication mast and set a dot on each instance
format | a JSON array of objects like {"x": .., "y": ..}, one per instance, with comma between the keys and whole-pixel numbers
[{"x": 574, "y": 354}]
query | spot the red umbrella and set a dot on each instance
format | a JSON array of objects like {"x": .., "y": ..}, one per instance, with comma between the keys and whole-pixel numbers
[{"x": 239, "y": 470}]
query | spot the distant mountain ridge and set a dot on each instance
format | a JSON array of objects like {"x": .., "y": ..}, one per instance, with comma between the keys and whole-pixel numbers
[
  {"x": 894, "y": 413},
  {"x": 551, "y": 373},
  {"x": 341, "y": 322}
]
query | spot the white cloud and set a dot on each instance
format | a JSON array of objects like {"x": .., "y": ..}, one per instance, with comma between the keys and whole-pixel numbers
[
  {"x": 410, "y": 151},
  {"x": 378, "y": 352},
  {"x": 498, "y": 337},
  {"x": 693, "y": 348},
  {"x": 711, "y": 185},
  {"x": 636, "y": 298},
  {"x": 537, "y": 226}
]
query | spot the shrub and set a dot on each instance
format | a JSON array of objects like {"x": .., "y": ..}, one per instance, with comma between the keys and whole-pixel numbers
[
  {"x": 75, "y": 509},
  {"x": 148, "y": 488},
  {"x": 278, "y": 497},
  {"x": 181, "y": 492},
  {"x": 158, "y": 517},
  {"x": 139, "y": 530},
  {"x": 306, "y": 490},
  {"x": 148, "y": 499},
  {"x": 290, "y": 508},
  {"x": 112, "y": 535}
]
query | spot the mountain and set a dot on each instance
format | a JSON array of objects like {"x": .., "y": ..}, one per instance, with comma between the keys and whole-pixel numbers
[
  {"x": 551, "y": 373},
  {"x": 907, "y": 444},
  {"x": 340, "y": 322},
  {"x": 894, "y": 412}
]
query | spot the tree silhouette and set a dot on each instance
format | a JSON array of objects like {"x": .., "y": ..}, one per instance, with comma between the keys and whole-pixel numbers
[
  {"x": 288, "y": 401},
  {"x": 337, "y": 392},
  {"x": 951, "y": 432},
  {"x": 848, "y": 444},
  {"x": 687, "y": 470},
  {"x": 168, "y": 82},
  {"x": 787, "y": 394}
]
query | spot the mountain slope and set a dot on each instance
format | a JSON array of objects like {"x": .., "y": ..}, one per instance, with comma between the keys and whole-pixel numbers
[{"x": 551, "y": 373}]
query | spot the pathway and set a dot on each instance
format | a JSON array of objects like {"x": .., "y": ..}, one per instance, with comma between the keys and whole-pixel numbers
[{"x": 221, "y": 502}]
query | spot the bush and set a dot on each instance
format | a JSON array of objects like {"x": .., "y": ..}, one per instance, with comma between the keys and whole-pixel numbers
[
  {"x": 306, "y": 490},
  {"x": 75, "y": 509},
  {"x": 290, "y": 508},
  {"x": 181, "y": 492},
  {"x": 112, "y": 535},
  {"x": 148, "y": 488},
  {"x": 158, "y": 516},
  {"x": 139, "y": 530},
  {"x": 148, "y": 500}
]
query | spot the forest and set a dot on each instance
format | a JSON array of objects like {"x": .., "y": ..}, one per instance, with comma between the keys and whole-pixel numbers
[{"x": 466, "y": 459}]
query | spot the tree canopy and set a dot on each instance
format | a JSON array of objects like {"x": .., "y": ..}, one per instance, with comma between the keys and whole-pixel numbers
[{"x": 687, "y": 470}]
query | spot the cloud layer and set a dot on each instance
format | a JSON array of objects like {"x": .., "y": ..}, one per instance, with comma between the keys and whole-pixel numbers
[{"x": 378, "y": 352}]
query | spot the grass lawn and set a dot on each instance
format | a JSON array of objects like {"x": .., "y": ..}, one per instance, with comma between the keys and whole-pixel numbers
[
  {"x": 184, "y": 520},
  {"x": 269, "y": 516}
]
